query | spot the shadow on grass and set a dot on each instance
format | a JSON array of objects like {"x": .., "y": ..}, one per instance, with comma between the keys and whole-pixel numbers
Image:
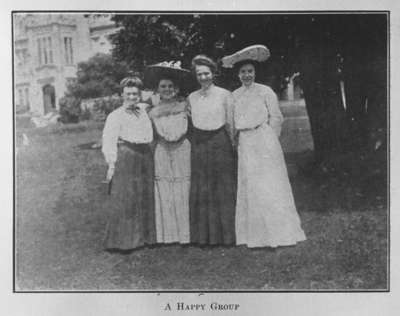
[{"x": 60, "y": 244}]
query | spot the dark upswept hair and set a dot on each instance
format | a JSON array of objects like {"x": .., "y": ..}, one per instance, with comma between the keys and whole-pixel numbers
[
  {"x": 203, "y": 60},
  {"x": 131, "y": 82},
  {"x": 241, "y": 63},
  {"x": 174, "y": 79}
]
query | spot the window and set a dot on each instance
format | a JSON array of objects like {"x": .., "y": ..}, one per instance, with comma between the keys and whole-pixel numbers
[
  {"x": 45, "y": 50},
  {"x": 20, "y": 98},
  {"x": 23, "y": 98},
  {"x": 21, "y": 57},
  {"x": 68, "y": 52},
  {"x": 27, "y": 97}
]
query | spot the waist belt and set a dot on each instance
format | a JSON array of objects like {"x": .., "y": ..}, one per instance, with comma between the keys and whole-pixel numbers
[
  {"x": 162, "y": 140},
  {"x": 252, "y": 128},
  {"x": 134, "y": 146},
  {"x": 199, "y": 135}
]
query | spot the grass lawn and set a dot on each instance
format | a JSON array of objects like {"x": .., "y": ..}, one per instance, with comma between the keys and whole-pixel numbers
[{"x": 60, "y": 221}]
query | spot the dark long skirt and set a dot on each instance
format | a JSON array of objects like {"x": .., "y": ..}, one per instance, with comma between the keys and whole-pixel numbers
[
  {"x": 131, "y": 222},
  {"x": 213, "y": 188}
]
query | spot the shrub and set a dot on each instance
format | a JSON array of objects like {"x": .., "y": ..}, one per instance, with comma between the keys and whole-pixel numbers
[
  {"x": 104, "y": 106},
  {"x": 70, "y": 109},
  {"x": 85, "y": 115},
  {"x": 97, "y": 77}
]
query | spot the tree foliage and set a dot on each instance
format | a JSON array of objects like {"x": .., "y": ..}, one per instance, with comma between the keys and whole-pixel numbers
[
  {"x": 98, "y": 77},
  {"x": 145, "y": 39},
  {"x": 325, "y": 48}
]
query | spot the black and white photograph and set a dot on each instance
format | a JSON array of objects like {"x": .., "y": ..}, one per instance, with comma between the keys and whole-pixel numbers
[
  {"x": 198, "y": 151},
  {"x": 228, "y": 157}
]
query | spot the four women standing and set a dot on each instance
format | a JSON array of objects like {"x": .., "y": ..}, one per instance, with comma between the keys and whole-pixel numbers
[{"x": 195, "y": 182}]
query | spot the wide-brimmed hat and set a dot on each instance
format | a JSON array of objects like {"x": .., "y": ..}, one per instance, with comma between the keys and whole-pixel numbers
[
  {"x": 257, "y": 53},
  {"x": 171, "y": 70}
]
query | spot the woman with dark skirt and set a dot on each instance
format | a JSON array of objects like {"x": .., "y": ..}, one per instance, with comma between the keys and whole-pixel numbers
[
  {"x": 213, "y": 178},
  {"x": 126, "y": 147}
]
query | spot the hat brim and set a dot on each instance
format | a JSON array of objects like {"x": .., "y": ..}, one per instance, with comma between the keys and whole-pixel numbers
[
  {"x": 258, "y": 53},
  {"x": 181, "y": 77}
]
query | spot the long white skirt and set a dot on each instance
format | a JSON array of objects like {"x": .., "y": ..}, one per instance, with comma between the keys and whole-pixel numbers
[
  {"x": 171, "y": 188},
  {"x": 265, "y": 211}
]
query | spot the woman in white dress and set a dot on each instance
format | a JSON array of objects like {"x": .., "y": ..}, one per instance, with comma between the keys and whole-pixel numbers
[
  {"x": 265, "y": 211},
  {"x": 172, "y": 155}
]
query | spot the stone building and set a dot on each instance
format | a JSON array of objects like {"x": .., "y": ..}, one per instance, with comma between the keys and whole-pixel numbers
[{"x": 47, "y": 49}]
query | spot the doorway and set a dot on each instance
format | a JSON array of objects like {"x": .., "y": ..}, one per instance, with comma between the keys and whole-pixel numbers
[{"x": 49, "y": 98}]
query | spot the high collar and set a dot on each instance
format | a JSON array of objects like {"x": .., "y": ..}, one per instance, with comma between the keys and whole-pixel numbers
[
  {"x": 250, "y": 87},
  {"x": 206, "y": 91},
  {"x": 130, "y": 109},
  {"x": 167, "y": 102},
  {"x": 127, "y": 107},
  {"x": 166, "y": 109}
]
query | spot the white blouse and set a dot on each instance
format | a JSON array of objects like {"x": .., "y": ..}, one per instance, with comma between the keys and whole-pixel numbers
[
  {"x": 171, "y": 127},
  {"x": 212, "y": 108},
  {"x": 255, "y": 105},
  {"x": 121, "y": 124}
]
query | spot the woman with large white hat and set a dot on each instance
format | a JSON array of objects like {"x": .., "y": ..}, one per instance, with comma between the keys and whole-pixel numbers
[
  {"x": 266, "y": 214},
  {"x": 172, "y": 151}
]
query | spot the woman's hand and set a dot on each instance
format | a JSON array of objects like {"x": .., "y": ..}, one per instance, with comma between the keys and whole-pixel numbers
[{"x": 110, "y": 172}]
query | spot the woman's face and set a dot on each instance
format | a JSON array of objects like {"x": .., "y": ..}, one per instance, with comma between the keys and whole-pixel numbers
[
  {"x": 247, "y": 74},
  {"x": 204, "y": 75},
  {"x": 131, "y": 95},
  {"x": 166, "y": 89}
]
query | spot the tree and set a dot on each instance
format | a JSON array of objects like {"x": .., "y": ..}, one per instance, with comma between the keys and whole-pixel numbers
[
  {"x": 98, "y": 77},
  {"x": 147, "y": 39},
  {"x": 349, "y": 48},
  {"x": 325, "y": 48}
]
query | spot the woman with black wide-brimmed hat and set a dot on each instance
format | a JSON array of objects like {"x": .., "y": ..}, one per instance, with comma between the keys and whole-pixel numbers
[{"x": 172, "y": 151}]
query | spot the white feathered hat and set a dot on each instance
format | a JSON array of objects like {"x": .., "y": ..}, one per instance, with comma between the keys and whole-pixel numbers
[{"x": 258, "y": 53}]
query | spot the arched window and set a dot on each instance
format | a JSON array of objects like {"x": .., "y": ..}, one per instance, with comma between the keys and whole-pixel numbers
[{"x": 49, "y": 98}]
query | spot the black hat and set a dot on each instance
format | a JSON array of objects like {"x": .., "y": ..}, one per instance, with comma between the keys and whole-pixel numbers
[{"x": 169, "y": 70}]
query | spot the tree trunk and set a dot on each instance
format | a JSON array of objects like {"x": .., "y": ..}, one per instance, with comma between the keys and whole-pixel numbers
[{"x": 321, "y": 86}]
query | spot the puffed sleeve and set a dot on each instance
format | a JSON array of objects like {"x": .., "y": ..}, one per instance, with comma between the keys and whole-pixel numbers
[
  {"x": 189, "y": 133},
  {"x": 188, "y": 106},
  {"x": 275, "y": 115},
  {"x": 148, "y": 108},
  {"x": 110, "y": 138},
  {"x": 229, "y": 116},
  {"x": 150, "y": 97},
  {"x": 145, "y": 106}
]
